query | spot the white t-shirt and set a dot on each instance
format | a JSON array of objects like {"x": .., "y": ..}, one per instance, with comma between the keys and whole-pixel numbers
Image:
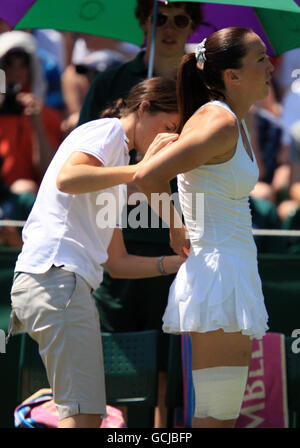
[{"x": 75, "y": 230}]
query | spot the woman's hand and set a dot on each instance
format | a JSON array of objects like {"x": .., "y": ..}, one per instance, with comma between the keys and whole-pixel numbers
[
  {"x": 160, "y": 142},
  {"x": 32, "y": 105},
  {"x": 179, "y": 241}
]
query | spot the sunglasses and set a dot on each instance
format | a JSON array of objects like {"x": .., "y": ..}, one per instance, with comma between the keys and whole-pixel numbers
[{"x": 179, "y": 21}]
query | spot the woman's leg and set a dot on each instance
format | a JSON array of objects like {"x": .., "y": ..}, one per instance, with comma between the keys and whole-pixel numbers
[
  {"x": 221, "y": 352},
  {"x": 161, "y": 410}
]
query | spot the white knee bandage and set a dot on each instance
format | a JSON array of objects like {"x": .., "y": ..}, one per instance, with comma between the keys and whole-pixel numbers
[{"x": 219, "y": 391}]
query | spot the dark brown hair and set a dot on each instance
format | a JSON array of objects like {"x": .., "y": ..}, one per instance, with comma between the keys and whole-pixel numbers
[
  {"x": 223, "y": 49},
  {"x": 159, "y": 92},
  {"x": 144, "y": 10}
]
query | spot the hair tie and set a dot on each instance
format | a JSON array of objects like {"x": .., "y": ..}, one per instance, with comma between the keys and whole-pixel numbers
[{"x": 200, "y": 52}]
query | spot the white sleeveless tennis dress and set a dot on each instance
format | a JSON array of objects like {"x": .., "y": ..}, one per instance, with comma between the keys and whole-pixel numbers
[{"x": 218, "y": 287}]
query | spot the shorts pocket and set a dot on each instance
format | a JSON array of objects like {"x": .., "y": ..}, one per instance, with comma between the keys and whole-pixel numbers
[
  {"x": 57, "y": 292},
  {"x": 38, "y": 298}
]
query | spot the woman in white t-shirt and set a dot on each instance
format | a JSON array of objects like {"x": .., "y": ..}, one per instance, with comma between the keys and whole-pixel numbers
[{"x": 72, "y": 231}]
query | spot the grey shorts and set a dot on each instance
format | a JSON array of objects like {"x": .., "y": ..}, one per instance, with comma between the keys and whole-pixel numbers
[{"x": 58, "y": 311}]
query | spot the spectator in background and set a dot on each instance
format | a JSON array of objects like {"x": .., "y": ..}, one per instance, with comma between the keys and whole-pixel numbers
[
  {"x": 272, "y": 122},
  {"x": 266, "y": 133},
  {"x": 88, "y": 55},
  {"x": 169, "y": 48},
  {"x": 54, "y": 43},
  {"x": 290, "y": 141},
  {"x": 77, "y": 79},
  {"x": 13, "y": 207},
  {"x": 289, "y": 206},
  {"x": 54, "y": 94},
  {"x": 29, "y": 130}
]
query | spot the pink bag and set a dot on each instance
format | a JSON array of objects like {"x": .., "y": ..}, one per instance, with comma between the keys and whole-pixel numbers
[{"x": 39, "y": 411}]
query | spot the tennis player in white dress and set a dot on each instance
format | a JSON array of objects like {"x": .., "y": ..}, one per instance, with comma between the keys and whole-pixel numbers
[{"x": 217, "y": 296}]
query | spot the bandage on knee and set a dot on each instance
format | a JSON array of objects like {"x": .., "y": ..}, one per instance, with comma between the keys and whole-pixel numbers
[{"x": 219, "y": 391}]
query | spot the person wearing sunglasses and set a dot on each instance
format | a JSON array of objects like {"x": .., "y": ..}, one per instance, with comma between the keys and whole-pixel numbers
[
  {"x": 175, "y": 23},
  {"x": 130, "y": 305},
  {"x": 180, "y": 21}
]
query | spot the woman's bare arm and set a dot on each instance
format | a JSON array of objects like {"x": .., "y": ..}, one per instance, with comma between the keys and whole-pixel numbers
[
  {"x": 120, "y": 264},
  {"x": 84, "y": 173},
  {"x": 209, "y": 135}
]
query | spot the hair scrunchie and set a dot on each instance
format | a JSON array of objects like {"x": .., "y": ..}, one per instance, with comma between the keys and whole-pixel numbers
[{"x": 200, "y": 52}]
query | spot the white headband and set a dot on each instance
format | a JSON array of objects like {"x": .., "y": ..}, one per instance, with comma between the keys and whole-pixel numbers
[{"x": 200, "y": 52}]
